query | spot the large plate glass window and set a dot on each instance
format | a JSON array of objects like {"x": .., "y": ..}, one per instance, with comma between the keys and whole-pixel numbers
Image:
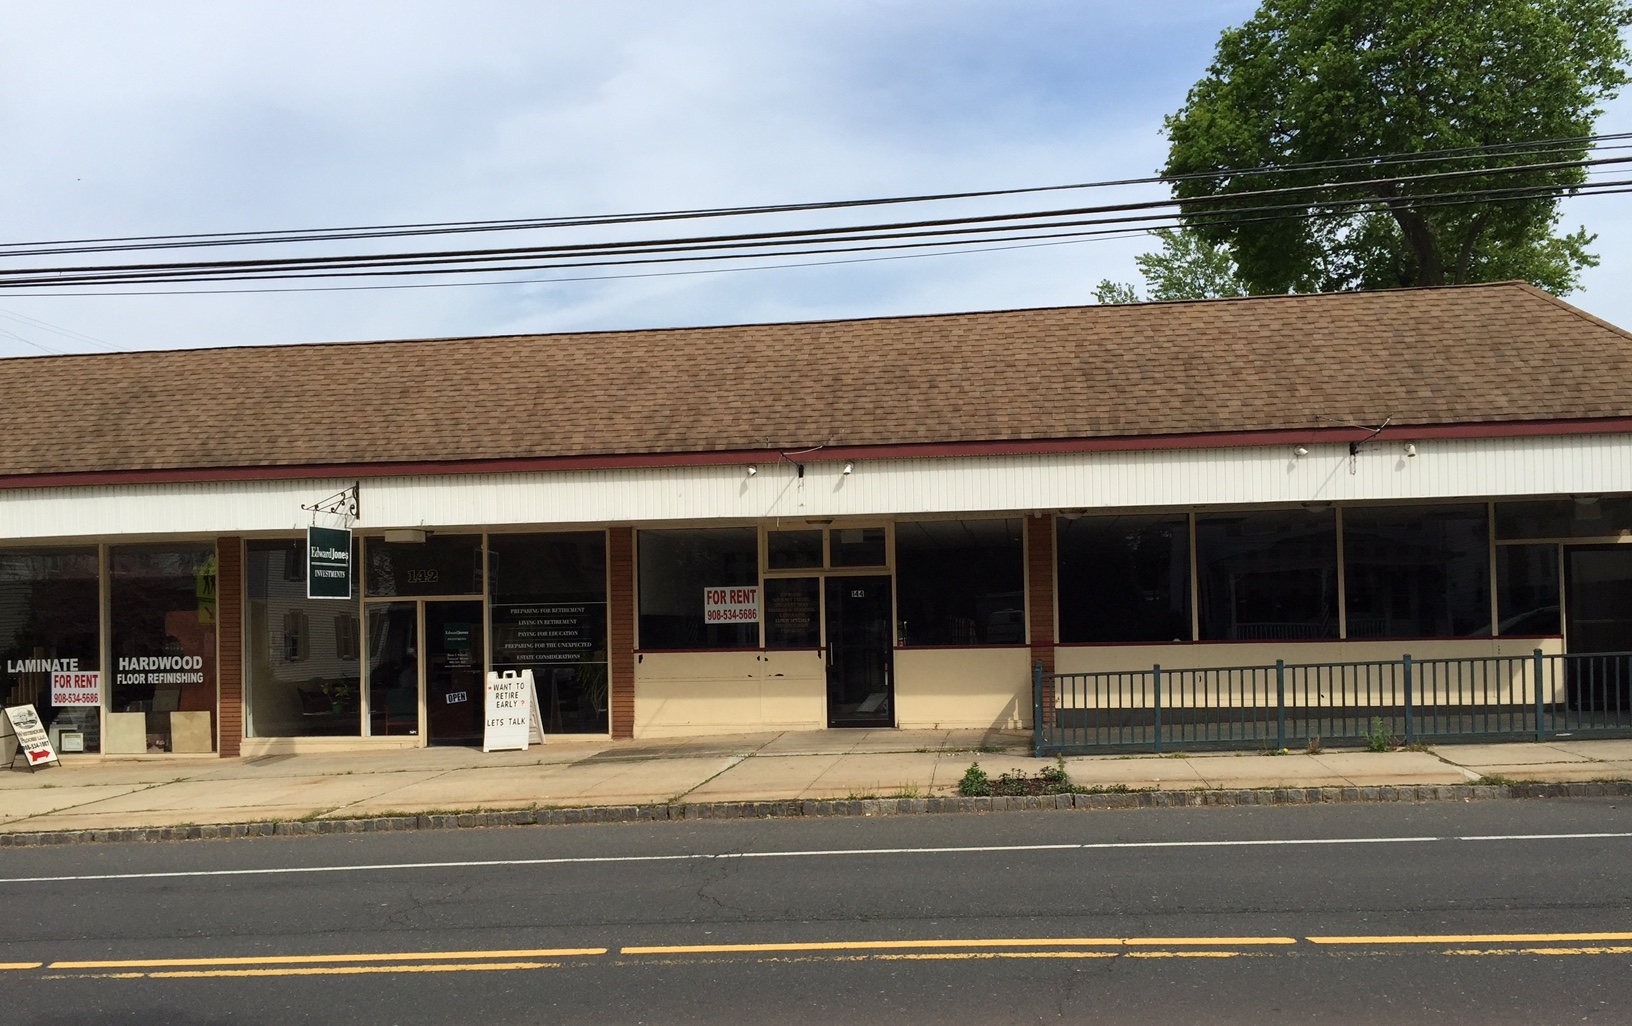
[
  {"x": 793, "y": 612},
  {"x": 1123, "y": 578},
  {"x": 1267, "y": 574},
  {"x": 49, "y": 622},
  {"x": 1416, "y": 571},
  {"x": 548, "y": 604},
  {"x": 304, "y": 676},
  {"x": 793, "y": 550},
  {"x": 439, "y": 565},
  {"x": 162, "y": 626},
  {"x": 961, "y": 582},
  {"x": 677, "y": 568},
  {"x": 1527, "y": 591}
]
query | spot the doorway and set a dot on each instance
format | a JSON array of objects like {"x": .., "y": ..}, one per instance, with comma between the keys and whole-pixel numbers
[
  {"x": 427, "y": 654},
  {"x": 860, "y": 652},
  {"x": 1598, "y": 627}
]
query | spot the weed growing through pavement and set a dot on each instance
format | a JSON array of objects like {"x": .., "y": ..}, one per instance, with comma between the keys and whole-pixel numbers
[
  {"x": 1378, "y": 739},
  {"x": 1314, "y": 745}
]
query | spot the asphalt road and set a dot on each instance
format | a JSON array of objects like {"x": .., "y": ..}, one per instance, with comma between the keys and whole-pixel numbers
[{"x": 1488, "y": 912}]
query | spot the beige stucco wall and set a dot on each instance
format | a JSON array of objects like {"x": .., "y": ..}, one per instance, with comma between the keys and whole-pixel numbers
[
  {"x": 1473, "y": 682},
  {"x": 963, "y": 687},
  {"x": 679, "y": 693}
]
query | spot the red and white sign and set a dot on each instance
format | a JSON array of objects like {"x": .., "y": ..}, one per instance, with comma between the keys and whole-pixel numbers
[
  {"x": 24, "y": 723},
  {"x": 731, "y": 605},
  {"x": 83, "y": 688}
]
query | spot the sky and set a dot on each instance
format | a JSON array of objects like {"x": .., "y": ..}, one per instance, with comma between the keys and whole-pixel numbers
[{"x": 159, "y": 118}]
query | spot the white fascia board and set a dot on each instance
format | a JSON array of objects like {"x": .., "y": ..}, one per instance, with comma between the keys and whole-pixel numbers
[{"x": 1181, "y": 478}]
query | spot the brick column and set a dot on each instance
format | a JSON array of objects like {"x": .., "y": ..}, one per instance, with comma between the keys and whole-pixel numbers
[
  {"x": 620, "y": 615},
  {"x": 1040, "y": 595},
  {"x": 229, "y": 643}
]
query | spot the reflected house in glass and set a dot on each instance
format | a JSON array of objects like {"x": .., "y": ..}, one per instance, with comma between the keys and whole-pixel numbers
[{"x": 888, "y": 522}]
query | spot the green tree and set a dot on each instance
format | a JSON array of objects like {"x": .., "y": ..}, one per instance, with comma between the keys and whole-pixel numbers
[
  {"x": 1186, "y": 267},
  {"x": 1318, "y": 81}
]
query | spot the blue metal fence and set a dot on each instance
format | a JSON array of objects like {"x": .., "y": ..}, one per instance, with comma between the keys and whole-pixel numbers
[{"x": 1284, "y": 704}]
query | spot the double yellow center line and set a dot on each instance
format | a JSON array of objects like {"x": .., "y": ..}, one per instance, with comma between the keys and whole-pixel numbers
[{"x": 971, "y": 948}]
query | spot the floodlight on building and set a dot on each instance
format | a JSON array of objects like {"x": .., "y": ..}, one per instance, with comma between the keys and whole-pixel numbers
[
  {"x": 1410, "y": 449},
  {"x": 1300, "y": 452},
  {"x": 848, "y": 467},
  {"x": 752, "y": 470}
]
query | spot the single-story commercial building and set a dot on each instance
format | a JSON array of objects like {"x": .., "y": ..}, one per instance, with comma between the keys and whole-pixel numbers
[{"x": 883, "y": 522}]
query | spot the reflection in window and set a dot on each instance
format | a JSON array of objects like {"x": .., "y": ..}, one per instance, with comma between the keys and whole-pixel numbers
[
  {"x": 792, "y": 612},
  {"x": 1267, "y": 574},
  {"x": 49, "y": 621},
  {"x": 1124, "y": 578},
  {"x": 439, "y": 565},
  {"x": 1527, "y": 590},
  {"x": 548, "y": 604},
  {"x": 1416, "y": 571},
  {"x": 302, "y": 675},
  {"x": 676, "y": 567},
  {"x": 162, "y": 606},
  {"x": 793, "y": 550},
  {"x": 1588, "y": 516},
  {"x": 962, "y": 582},
  {"x": 856, "y": 546}
]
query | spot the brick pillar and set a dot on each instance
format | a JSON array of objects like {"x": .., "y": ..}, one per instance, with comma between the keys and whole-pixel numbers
[
  {"x": 1040, "y": 595},
  {"x": 620, "y": 615},
  {"x": 229, "y": 642}
]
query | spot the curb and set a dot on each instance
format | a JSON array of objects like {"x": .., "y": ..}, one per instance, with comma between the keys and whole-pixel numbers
[{"x": 820, "y": 809}]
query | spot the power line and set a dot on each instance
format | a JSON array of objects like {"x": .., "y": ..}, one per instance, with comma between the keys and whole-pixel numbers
[{"x": 355, "y": 233}]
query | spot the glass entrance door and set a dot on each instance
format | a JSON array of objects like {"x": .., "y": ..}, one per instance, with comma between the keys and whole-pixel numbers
[
  {"x": 1598, "y": 622},
  {"x": 453, "y": 672},
  {"x": 393, "y": 669},
  {"x": 860, "y": 689}
]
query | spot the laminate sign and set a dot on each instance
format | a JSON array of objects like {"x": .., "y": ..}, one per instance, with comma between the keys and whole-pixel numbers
[
  {"x": 544, "y": 633},
  {"x": 511, "y": 722},
  {"x": 24, "y": 726},
  {"x": 328, "y": 563}
]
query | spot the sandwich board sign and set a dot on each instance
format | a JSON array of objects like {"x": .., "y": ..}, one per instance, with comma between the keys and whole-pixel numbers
[
  {"x": 511, "y": 722},
  {"x": 23, "y": 724},
  {"x": 328, "y": 563}
]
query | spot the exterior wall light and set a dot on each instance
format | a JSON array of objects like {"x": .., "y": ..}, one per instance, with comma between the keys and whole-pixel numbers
[
  {"x": 1300, "y": 452},
  {"x": 752, "y": 470},
  {"x": 1410, "y": 449},
  {"x": 848, "y": 467}
]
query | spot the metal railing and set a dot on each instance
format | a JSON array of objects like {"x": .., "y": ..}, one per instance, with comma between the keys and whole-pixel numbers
[{"x": 1284, "y": 704}]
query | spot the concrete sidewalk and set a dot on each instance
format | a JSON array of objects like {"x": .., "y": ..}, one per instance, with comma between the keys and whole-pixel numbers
[{"x": 89, "y": 793}]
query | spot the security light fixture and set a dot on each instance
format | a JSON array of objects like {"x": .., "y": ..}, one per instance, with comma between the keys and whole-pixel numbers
[
  {"x": 1300, "y": 452},
  {"x": 848, "y": 467},
  {"x": 752, "y": 470},
  {"x": 1410, "y": 449}
]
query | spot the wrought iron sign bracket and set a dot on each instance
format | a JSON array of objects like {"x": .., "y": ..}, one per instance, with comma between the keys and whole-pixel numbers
[{"x": 346, "y": 503}]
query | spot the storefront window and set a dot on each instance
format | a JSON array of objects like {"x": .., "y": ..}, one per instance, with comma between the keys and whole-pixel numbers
[
  {"x": 793, "y": 612},
  {"x": 439, "y": 565},
  {"x": 677, "y": 568},
  {"x": 49, "y": 624},
  {"x": 303, "y": 676},
  {"x": 1588, "y": 516},
  {"x": 856, "y": 546},
  {"x": 1527, "y": 590},
  {"x": 793, "y": 550},
  {"x": 1416, "y": 571},
  {"x": 162, "y": 626},
  {"x": 960, "y": 582},
  {"x": 1123, "y": 579},
  {"x": 1267, "y": 574},
  {"x": 548, "y": 604}
]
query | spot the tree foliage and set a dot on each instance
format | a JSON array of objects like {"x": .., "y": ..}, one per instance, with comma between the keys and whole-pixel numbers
[
  {"x": 1186, "y": 267},
  {"x": 1314, "y": 81}
]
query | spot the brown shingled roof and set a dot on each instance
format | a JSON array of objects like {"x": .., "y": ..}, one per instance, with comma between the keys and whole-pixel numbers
[{"x": 1468, "y": 355}]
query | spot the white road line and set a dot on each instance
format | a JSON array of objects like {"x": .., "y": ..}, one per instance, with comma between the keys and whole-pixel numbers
[{"x": 815, "y": 853}]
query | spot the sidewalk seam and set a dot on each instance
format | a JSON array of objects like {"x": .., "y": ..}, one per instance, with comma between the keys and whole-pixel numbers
[{"x": 806, "y": 808}]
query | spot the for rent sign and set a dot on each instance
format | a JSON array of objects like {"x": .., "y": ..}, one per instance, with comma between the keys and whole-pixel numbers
[
  {"x": 81, "y": 688},
  {"x": 731, "y": 605}
]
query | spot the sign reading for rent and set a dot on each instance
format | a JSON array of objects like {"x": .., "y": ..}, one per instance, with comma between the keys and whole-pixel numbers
[
  {"x": 82, "y": 688},
  {"x": 731, "y": 605}
]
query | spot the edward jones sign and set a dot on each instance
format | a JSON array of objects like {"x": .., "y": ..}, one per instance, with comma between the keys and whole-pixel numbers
[{"x": 731, "y": 605}]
